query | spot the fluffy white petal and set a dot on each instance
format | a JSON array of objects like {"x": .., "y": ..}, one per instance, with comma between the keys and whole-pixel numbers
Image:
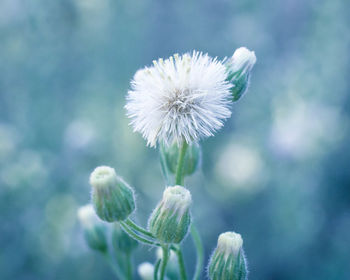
[{"x": 182, "y": 98}]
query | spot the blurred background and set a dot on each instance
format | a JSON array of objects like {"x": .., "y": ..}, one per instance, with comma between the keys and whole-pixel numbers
[{"x": 278, "y": 173}]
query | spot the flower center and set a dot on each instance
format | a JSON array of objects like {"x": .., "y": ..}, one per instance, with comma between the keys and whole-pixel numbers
[{"x": 181, "y": 102}]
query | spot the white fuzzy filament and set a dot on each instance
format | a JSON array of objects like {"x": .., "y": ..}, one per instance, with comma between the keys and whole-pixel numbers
[{"x": 182, "y": 98}]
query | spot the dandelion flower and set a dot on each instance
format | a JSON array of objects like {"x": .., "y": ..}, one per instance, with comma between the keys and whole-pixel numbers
[{"x": 182, "y": 98}]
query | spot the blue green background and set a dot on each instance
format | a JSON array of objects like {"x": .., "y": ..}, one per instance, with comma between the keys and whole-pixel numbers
[{"x": 278, "y": 172}]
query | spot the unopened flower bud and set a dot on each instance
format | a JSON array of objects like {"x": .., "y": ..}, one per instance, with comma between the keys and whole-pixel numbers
[
  {"x": 239, "y": 67},
  {"x": 94, "y": 228},
  {"x": 112, "y": 198},
  {"x": 121, "y": 241},
  {"x": 191, "y": 161},
  {"x": 146, "y": 271},
  {"x": 228, "y": 260},
  {"x": 171, "y": 219}
]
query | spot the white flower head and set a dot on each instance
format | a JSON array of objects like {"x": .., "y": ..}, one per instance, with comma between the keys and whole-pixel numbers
[{"x": 182, "y": 98}]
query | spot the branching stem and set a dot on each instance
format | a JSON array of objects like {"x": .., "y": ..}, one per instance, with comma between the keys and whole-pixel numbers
[
  {"x": 136, "y": 236},
  {"x": 136, "y": 227}
]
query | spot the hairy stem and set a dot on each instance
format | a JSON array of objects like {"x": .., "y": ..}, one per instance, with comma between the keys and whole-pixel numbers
[
  {"x": 136, "y": 227},
  {"x": 164, "y": 263},
  {"x": 156, "y": 269},
  {"x": 180, "y": 260},
  {"x": 137, "y": 237}
]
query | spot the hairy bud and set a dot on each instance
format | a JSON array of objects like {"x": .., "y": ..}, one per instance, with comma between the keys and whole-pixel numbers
[
  {"x": 228, "y": 260},
  {"x": 112, "y": 198},
  {"x": 239, "y": 67},
  {"x": 94, "y": 228},
  {"x": 171, "y": 219}
]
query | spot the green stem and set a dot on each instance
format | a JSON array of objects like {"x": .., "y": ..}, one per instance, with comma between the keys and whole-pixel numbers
[
  {"x": 163, "y": 166},
  {"x": 164, "y": 263},
  {"x": 200, "y": 252},
  {"x": 156, "y": 269},
  {"x": 120, "y": 261},
  {"x": 128, "y": 266},
  {"x": 136, "y": 227},
  {"x": 180, "y": 260},
  {"x": 136, "y": 236},
  {"x": 111, "y": 263},
  {"x": 179, "y": 180},
  {"x": 179, "y": 176}
]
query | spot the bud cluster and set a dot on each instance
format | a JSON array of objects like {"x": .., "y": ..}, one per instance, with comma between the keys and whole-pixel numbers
[{"x": 180, "y": 101}]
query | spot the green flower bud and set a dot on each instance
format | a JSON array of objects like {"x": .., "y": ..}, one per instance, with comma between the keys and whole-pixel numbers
[
  {"x": 146, "y": 270},
  {"x": 94, "y": 228},
  {"x": 238, "y": 71},
  {"x": 112, "y": 198},
  {"x": 191, "y": 161},
  {"x": 171, "y": 219},
  {"x": 228, "y": 261},
  {"x": 121, "y": 241}
]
